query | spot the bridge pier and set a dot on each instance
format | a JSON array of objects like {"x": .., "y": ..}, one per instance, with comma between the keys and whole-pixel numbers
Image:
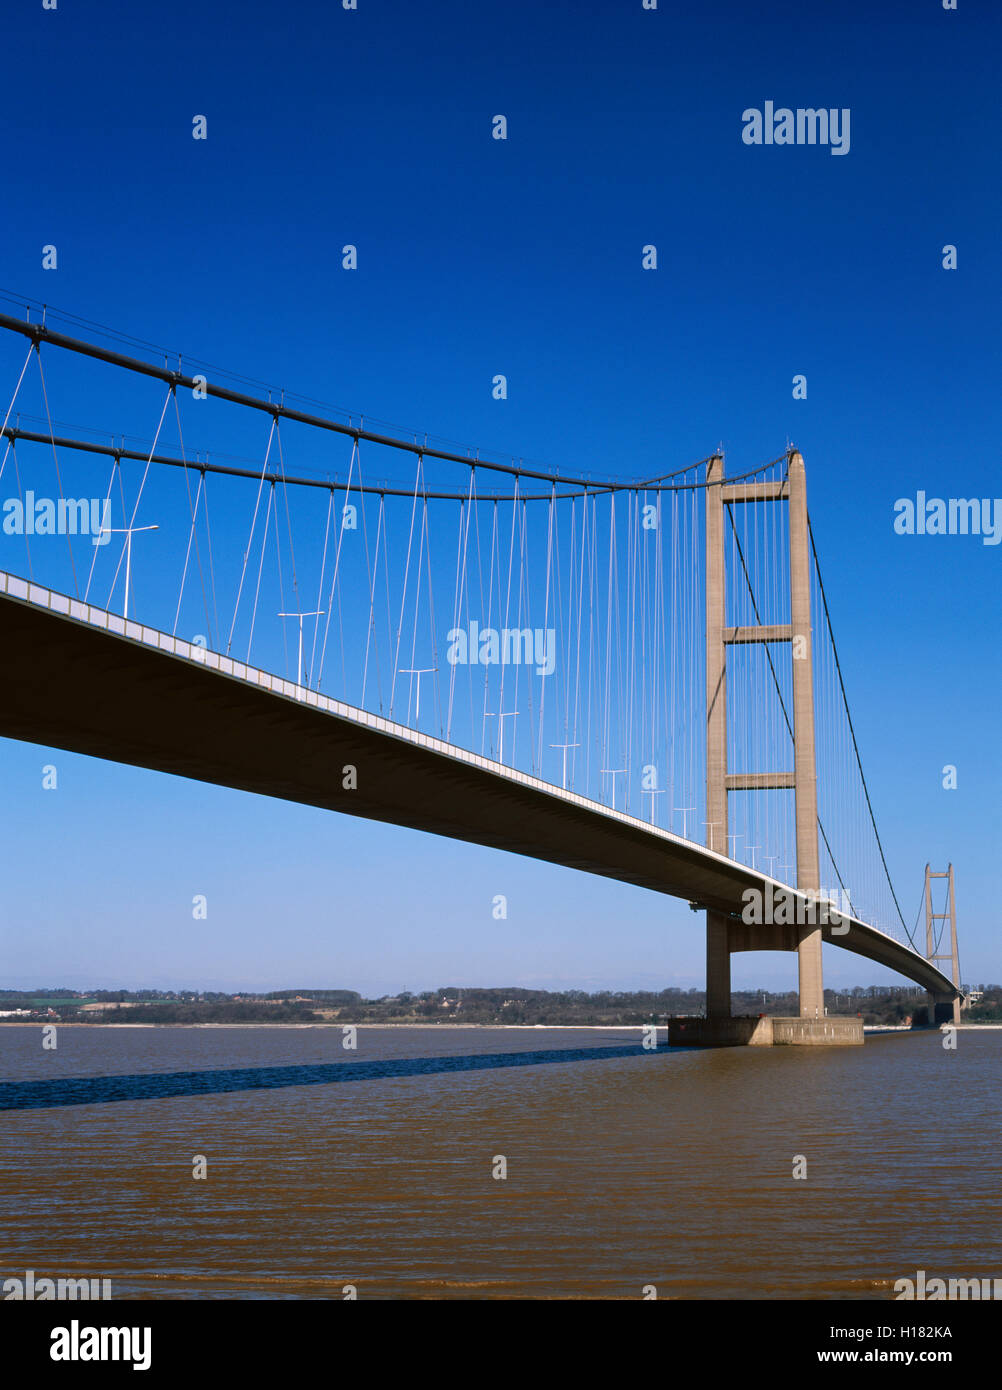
[
  {"x": 943, "y": 1009},
  {"x": 718, "y": 966},
  {"x": 811, "y": 984},
  {"x": 726, "y": 935}
]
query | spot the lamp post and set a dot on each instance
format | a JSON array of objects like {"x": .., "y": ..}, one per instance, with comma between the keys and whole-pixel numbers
[
  {"x": 711, "y": 825},
  {"x": 127, "y": 531},
  {"x": 565, "y": 747},
  {"x": 418, "y": 671},
  {"x": 317, "y": 612},
  {"x": 613, "y": 771},
  {"x": 508, "y": 714}
]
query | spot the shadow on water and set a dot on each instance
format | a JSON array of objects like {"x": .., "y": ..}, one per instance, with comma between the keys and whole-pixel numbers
[{"x": 95, "y": 1090}]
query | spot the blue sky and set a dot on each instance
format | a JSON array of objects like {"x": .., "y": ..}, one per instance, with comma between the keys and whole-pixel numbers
[{"x": 476, "y": 256}]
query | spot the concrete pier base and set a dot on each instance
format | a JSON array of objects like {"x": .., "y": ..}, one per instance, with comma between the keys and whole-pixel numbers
[
  {"x": 751, "y": 1031},
  {"x": 943, "y": 1010},
  {"x": 839, "y": 1031}
]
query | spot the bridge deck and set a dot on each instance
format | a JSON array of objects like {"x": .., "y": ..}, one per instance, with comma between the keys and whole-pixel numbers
[{"x": 93, "y": 683}]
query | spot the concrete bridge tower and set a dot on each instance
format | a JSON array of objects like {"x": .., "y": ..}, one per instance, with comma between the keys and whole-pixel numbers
[
  {"x": 941, "y": 1008},
  {"x": 723, "y": 935}
]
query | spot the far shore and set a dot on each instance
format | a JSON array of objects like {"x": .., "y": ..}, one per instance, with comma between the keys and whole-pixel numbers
[
  {"x": 434, "y": 1027},
  {"x": 442, "y": 1027}
]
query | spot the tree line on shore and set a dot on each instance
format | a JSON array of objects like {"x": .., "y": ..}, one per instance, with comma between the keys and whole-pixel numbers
[{"x": 876, "y": 1004}]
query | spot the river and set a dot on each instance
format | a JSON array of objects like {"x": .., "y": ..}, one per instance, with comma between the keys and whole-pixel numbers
[{"x": 626, "y": 1170}]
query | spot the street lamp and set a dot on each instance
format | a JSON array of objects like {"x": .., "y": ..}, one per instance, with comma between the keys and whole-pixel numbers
[
  {"x": 613, "y": 771},
  {"x": 127, "y": 531},
  {"x": 508, "y": 714},
  {"x": 317, "y": 612},
  {"x": 418, "y": 671},
  {"x": 565, "y": 747}
]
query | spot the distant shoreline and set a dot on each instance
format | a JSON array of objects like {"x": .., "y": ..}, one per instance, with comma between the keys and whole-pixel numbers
[
  {"x": 442, "y": 1027},
  {"x": 432, "y": 1027}
]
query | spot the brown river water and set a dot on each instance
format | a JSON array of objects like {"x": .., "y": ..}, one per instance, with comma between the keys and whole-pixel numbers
[{"x": 374, "y": 1167}]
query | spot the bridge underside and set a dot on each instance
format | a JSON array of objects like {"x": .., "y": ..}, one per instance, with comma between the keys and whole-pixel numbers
[{"x": 73, "y": 686}]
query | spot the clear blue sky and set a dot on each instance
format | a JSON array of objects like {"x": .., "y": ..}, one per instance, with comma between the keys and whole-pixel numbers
[{"x": 476, "y": 257}]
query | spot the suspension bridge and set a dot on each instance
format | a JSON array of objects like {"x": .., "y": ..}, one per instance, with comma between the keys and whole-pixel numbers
[{"x": 638, "y": 679}]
